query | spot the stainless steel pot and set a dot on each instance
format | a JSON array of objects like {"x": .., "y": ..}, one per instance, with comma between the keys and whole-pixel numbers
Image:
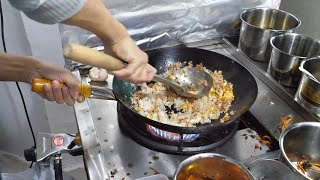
[
  {"x": 258, "y": 25},
  {"x": 211, "y": 166},
  {"x": 308, "y": 94},
  {"x": 288, "y": 51},
  {"x": 300, "y": 142}
]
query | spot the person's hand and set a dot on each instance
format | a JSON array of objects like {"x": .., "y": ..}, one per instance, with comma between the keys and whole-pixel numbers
[
  {"x": 138, "y": 70},
  {"x": 67, "y": 94}
]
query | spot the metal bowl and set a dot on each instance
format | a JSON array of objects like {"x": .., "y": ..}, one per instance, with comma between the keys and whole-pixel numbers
[
  {"x": 269, "y": 169},
  {"x": 301, "y": 142},
  {"x": 288, "y": 51},
  {"x": 211, "y": 166},
  {"x": 258, "y": 25},
  {"x": 308, "y": 94}
]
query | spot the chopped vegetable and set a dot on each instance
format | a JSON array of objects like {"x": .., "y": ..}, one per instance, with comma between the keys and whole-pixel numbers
[
  {"x": 202, "y": 82},
  {"x": 155, "y": 171},
  {"x": 285, "y": 121},
  {"x": 299, "y": 166},
  {"x": 316, "y": 164},
  {"x": 226, "y": 117},
  {"x": 266, "y": 137},
  {"x": 256, "y": 146},
  {"x": 264, "y": 140},
  {"x": 306, "y": 165},
  {"x": 315, "y": 168}
]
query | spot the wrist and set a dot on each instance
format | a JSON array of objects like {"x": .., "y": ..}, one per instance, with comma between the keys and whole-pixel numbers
[
  {"x": 114, "y": 36},
  {"x": 34, "y": 70}
]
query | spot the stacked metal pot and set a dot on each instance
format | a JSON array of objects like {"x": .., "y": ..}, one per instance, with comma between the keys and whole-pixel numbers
[{"x": 267, "y": 35}]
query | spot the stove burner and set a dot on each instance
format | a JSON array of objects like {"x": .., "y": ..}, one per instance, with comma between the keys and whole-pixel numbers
[
  {"x": 170, "y": 136},
  {"x": 170, "y": 142}
]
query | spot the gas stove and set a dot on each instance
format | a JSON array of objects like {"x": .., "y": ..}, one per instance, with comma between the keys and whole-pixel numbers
[
  {"x": 188, "y": 144},
  {"x": 169, "y": 142},
  {"x": 115, "y": 148}
]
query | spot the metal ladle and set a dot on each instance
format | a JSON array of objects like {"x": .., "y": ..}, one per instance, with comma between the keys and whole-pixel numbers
[{"x": 189, "y": 82}]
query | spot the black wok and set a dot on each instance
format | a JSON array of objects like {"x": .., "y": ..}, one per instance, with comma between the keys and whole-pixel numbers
[{"x": 244, "y": 86}]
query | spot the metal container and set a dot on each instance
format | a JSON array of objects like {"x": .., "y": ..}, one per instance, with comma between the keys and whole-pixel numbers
[
  {"x": 211, "y": 166},
  {"x": 308, "y": 94},
  {"x": 258, "y": 25},
  {"x": 155, "y": 177},
  {"x": 288, "y": 51},
  {"x": 300, "y": 142},
  {"x": 269, "y": 169}
]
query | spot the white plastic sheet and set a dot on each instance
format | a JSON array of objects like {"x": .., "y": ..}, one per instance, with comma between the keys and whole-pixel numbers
[{"x": 155, "y": 23}]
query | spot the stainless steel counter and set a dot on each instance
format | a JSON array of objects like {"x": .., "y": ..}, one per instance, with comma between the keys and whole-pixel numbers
[{"x": 109, "y": 153}]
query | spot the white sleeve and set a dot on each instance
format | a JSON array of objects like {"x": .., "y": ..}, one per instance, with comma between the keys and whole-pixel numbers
[{"x": 48, "y": 11}]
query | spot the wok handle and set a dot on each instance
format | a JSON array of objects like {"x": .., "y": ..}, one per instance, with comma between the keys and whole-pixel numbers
[
  {"x": 92, "y": 57},
  {"x": 37, "y": 86}
]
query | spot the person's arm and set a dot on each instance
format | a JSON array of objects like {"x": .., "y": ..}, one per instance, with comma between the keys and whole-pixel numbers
[
  {"x": 17, "y": 68},
  {"x": 93, "y": 16},
  {"x": 96, "y": 18},
  {"x": 87, "y": 14},
  {"x": 25, "y": 68}
]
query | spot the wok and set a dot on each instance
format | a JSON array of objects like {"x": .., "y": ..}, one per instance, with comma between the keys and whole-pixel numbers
[{"x": 244, "y": 86}]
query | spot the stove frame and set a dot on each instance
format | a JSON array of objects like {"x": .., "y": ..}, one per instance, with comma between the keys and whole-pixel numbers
[{"x": 110, "y": 154}]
